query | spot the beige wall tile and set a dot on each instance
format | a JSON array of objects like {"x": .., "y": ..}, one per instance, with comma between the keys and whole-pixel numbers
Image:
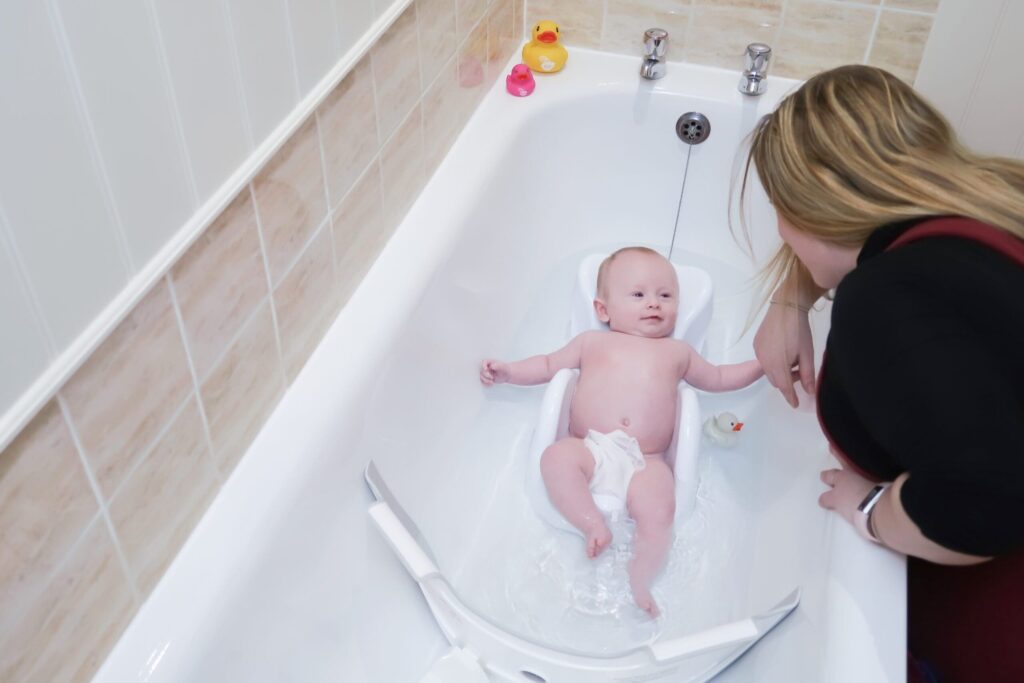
[
  {"x": 816, "y": 36},
  {"x": 396, "y": 72},
  {"x": 359, "y": 233},
  {"x": 579, "y": 21},
  {"x": 445, "y": 111},
  {"x": 402, "y": 168},
  {"x": 899, "y": 43},
  {"x": 467, "y": 14},
  {"x": 73, "y": 625},
  {"x": 919, "y": 5},
  {"x": 501, "y": 40},
  {"x": 243, "y": 389},
  {"x": 519, "y": 19},
  {"x": 436, "y": 19},
  {"x": 163, "y": 498},
  {"x": 290, "y": 198},
  {"x": 626, "y": 21},
  {"x": 129, "y": 388},
  {"x": 45, "y": 505},
  {"x": 307, "y": 303},
  {"x": 719, "y": 33},
  {"x": 219, "y": 282},
  {"x": 473, "y": 66},
  {"x": 348, "y": 126}
]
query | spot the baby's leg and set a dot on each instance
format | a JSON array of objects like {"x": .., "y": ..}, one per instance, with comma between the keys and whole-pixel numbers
[
  {"x": 567, "y": 467},
  {"x": 652, "y": 505}
]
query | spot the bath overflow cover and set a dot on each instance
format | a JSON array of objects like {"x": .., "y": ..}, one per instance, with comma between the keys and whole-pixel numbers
[{"x": 693, "y": 128}]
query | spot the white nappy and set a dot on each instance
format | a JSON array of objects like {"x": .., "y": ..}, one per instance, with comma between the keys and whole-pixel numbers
[{"x": 617, "y": 457}]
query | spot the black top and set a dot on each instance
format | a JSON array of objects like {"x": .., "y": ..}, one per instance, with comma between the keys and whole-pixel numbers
[{"x": 925, "y": 374}]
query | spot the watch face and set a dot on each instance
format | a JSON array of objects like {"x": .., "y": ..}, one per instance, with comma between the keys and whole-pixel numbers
[{"x": 871, "y": 498}]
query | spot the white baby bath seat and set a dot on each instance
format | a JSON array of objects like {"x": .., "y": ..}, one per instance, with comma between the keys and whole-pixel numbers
[
  {"x": 692, "y": 322},
  {"x": 482, "y": 650}
]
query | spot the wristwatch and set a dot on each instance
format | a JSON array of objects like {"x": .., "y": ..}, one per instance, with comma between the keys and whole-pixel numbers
[{"x": 862, "y": 516}]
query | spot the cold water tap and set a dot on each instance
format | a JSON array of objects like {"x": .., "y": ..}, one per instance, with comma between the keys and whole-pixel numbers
[
  {"x": 755, "y": 70},
  {"x": 655, "y": 47}
]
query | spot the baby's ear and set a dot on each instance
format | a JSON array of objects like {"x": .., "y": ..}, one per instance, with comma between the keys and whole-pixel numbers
[{"x": 601, "y": 310}]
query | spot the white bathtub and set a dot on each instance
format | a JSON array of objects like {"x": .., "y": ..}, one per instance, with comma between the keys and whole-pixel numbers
[{"x": 285, "y": 579}]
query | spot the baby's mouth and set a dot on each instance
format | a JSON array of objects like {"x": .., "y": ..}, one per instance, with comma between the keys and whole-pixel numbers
[{"x": 656, "y": 318}]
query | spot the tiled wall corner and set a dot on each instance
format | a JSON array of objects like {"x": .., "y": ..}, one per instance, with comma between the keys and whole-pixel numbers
[
  {"x": 99, "y": 492},
  {"x": 807, "y": 36}
]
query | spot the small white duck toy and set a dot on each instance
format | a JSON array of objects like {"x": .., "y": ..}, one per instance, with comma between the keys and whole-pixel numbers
[{"x": 723, "y": 429}]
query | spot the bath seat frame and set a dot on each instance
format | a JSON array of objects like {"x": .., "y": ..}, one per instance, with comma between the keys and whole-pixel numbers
[{"x": 483, "y": 650}]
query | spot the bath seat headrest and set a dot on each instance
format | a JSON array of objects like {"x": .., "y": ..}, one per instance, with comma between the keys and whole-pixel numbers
[{"x": 695, "y": 292}]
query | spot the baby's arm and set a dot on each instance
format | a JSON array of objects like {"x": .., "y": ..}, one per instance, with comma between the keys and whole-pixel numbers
[
  {"x": 703, "y": 375},
  {"x": 535, "y": 369}
]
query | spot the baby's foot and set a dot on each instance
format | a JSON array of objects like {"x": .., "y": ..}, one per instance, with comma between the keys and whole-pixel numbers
[
  {"x": 598, "y": 538},
  {"x": 643, "y": 598}
]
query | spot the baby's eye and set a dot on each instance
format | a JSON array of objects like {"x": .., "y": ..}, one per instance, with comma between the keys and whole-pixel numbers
[
  {"x": 637, "y": 295},
  {"x": 666, "y": 296}
]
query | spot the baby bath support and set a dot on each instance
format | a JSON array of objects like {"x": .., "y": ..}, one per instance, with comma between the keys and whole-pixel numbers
[{"x": 507, "y": 657}]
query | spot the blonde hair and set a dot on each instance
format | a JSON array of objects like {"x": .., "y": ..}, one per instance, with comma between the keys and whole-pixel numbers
[
  {"x": 855, "y": 148},
  {"x": 602, "y": 271}
]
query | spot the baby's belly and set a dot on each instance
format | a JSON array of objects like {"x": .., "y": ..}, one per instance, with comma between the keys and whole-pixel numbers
[{"x": 649, "y": 418}]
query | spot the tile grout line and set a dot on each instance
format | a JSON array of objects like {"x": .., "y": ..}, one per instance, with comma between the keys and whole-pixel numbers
[
  {"x": 327, "y": 194},
  {"x": 180, "y": 318},
  {"x": 85, "y": 120},
  {"x": 871, "y": 36},
  {"x": 984, "y": 64},
  {"x": 419, "y": 99},
  {"x": 104, "y": 511},
  {"x": 236, "y": 67},
  {"x": 179, "y": 127},
  {"x": 21, "y": 275},
  {"x": 780, "y": 29},
  {"x": 293, "y": 53},
  {"x": 151, "y": 446},
  {"x": 376, "y": 97},
  {"x": 270, "y": 293}
]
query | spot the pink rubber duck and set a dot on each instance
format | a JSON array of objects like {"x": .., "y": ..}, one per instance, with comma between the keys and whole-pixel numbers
[{"x": 520, "y": 82}]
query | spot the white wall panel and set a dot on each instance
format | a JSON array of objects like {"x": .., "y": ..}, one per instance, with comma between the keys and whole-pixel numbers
[
  {"x": 315, "y": 36},
  {"x": 970, "y": 70},
  {"x": 23, "y": 350},
  {"x": 126, "y": 94},
  {"x": 994, "y": 120},
  {"x": 49, "y": 186},
  {"x": 266, "y": 62},
  {"x": 354, "y": 18},
  {"x": 206, "y": 89}
]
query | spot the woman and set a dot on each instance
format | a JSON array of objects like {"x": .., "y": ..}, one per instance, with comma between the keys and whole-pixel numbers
[{"x": 921, "y": 393}]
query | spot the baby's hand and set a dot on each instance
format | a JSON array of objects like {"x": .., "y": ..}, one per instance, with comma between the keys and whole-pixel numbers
[{"x": 493, "y": 372}]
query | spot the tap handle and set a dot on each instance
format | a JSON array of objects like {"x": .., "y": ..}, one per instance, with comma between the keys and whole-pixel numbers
[
  {"x": 655, "y": 43},
  {"x": 757, "y": 58}
]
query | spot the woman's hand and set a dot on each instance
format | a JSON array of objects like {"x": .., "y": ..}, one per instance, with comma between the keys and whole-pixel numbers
[
  {"x": 784, "y": 348},
  {"x": 493, "y": 372},
  {"x": 847, "y": 491}
]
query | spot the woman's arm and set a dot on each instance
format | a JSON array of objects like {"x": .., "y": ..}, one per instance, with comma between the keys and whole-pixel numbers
[
  {"x": 783, "y": 339},
  {"x": 891, "y": 523},
  {"x": 535, "y": 369}
]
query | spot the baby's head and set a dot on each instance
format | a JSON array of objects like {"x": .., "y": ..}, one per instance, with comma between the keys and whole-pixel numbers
[{"x": 638, "y": 293}]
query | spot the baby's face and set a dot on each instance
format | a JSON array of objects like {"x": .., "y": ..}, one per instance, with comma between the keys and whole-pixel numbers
[{"x": 641, "y": 295}]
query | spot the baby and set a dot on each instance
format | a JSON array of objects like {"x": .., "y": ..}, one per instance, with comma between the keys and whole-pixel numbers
[{"x": 623, "y": 414}]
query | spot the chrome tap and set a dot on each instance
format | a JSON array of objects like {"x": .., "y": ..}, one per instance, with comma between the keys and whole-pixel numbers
[
  {"x": 755, "y": 71},
  {"x": 655, "y": 47}
]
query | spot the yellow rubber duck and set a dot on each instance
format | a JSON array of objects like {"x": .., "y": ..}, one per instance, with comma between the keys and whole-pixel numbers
[{"x": 544, "y": 53}]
